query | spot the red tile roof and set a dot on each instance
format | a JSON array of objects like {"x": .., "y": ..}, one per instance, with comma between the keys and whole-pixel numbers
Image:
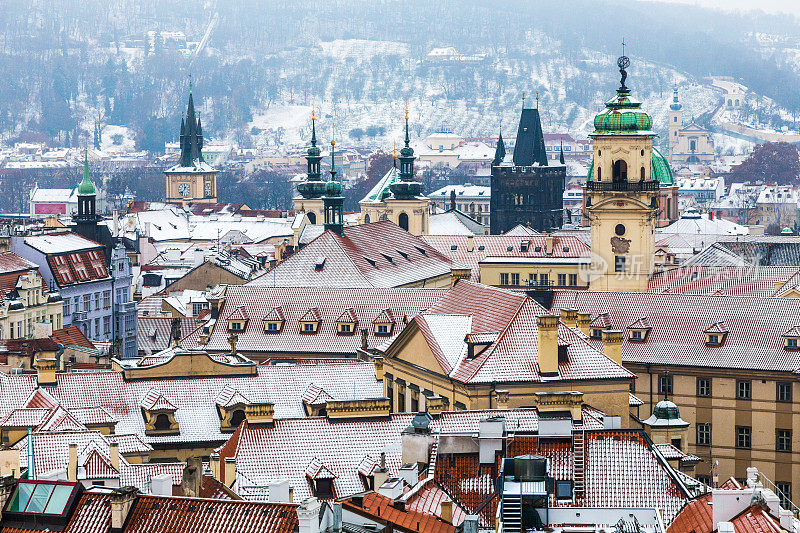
[
  {"x": 731, "y": 281},
  {"x": 697, "y": 517},
  {"x": 513, "y": 356},
  {"x": 348, "y": 316},
  {"x": 367, "y": 304},
  {"x": 71, "y": 335},
  {"x": 755, "y": 327},
  {"x": 79, "y": 267},
  {"x": 189, "y": 515},
  {"x": 154, "y": 400},
  {"x": 380, "y": 254},
  {"x": 382, "y": 510},
  {"x": 312, "y": 315},
  {"x": 11, "y": 262},
  {"x": 484, "y": 246},
  {"x": 92, "y": 514}
]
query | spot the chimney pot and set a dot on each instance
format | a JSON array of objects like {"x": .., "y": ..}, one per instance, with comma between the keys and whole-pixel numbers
[
  {"x": 612, "y": 344},
  {"x": 72, "y": 466},
  {"x": 548, "y": 344},
  {"x": 230, "y": 471},
  {"x": 113, "y": 449}
]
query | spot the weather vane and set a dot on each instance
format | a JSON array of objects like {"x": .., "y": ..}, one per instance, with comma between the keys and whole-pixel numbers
[
  {"x": 523, "y": 99},
  {"x": 537, "y": 99}
]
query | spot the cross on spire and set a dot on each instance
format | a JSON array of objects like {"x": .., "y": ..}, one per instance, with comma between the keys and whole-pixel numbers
[
  {"x": 523, "y": 99},
  {"x": 537, "y": 99}
]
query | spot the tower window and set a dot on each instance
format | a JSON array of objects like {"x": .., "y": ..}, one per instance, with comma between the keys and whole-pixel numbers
[
  {"x": 620, "y": 172},
  {"x": 674, "y": 119},
  {"x": 642, "y": 153},
  {"x": 641, "y": 173},
  {"x": 599, "y": 174},
  {"x": 619, "y": 263},
  {"x": 402, "y": 221}
]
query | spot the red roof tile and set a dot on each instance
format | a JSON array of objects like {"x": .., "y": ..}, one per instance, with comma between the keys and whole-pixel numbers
[
  {"x": 348, "y": 316},
  {"x": 732, "y": 281},
  {"x": 11, "y": 262},
  {"x": 178, "y": 515},
  {"x": 71, "y": 335},
  {"x": 155, "y": 400},
  {"x": 381, "y": 509},
  {"x": 312, "y": 315},
  {"x": 380, "y": 254}
]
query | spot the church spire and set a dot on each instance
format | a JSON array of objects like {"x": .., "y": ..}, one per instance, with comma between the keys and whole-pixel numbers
[
  {"x": 529, "y": 148},
  {"x": 500, "y": 151},
  {"x": 191, "y": 135},
  {"x": 561, "y": 152},
  {"x": 406, "y": 187},
  {"x": 333, "y": 147},
  {"x": 313, "y": 186},
  {"x": 86, "y": 195}
]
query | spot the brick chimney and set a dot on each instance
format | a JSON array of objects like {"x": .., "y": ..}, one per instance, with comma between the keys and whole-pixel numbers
[
  {"x": 434, "y": 405},
  {"x": 612, "y": 344},
  {"x": 582, "y": 320},
  {"x": 470, "y": 243},
  {"x": 192, "y": 477},
  {"x": 569, "y": 317},
  {"x": 45, "y": 371},
  {"x": 122, "y": 499},
  {"x": 446, "y": 513},
  {"x": 548, "y": 245},
  {"x": 72, "y": 465},
  {"x": 548, "y": 344},
  {"x": 113, "y": 452}
]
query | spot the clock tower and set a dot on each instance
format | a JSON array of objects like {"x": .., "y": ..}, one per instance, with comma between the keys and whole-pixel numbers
[
  {"x": 192, "y": 180},
  {"x": 622, "y": 193}
]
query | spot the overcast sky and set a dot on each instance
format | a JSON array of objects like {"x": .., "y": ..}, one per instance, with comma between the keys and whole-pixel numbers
[{"x": 770, "y": 6}]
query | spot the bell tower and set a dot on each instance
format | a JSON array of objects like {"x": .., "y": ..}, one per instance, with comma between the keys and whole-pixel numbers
[
  {"x": 621, "y": 194},
  {"x": 311, "y": 190},
  {"x": 675, "y": 122}
]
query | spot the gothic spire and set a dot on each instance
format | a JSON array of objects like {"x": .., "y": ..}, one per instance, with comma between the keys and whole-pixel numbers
[
  {"x": 529, "y": 148},
  {"x": 191, "y": 135},
  {"x": 500, "y": 151},
  {"x": 561, "y": 152}
]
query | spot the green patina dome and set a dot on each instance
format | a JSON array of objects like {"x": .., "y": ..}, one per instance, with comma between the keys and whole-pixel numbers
[
  {"x": 666, "y": 410},
  {"x": 333, "y": 188},
  {"x": 623, "y": 115},
  {"x": 311, "y": 188}
]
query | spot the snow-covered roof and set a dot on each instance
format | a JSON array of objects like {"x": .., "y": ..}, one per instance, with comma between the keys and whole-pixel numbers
[
  {"x": 54, "y": 195},
  {"x": 462, "y": 191}
]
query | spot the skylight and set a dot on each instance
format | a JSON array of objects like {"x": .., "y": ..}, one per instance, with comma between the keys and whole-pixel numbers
[{"x": 40, "y": 497}]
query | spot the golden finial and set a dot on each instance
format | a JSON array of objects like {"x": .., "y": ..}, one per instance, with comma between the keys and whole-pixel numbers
[
  {"x": 333, "y": 135},
  {"x": 523, "y": 98},
  {"x": 312, "y": 111},
  {"x": 537, "y": 99},
  {"x": 394, "y": 149},
  {"x": 406, "y": 109}
]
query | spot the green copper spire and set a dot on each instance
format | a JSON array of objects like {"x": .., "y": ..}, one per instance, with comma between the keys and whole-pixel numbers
[
  {"x": 407, "y": 187},
  {"x": 86, "y": 188},
  {"x": 313, "y": 186}
]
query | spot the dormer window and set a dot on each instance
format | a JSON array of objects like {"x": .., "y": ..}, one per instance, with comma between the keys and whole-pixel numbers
[
  {"x": 598, "y": 324},
  {"x": 716, "y": 334},
  {"x": 791, "y": 339},
  {"x": 639, "y": 330},
  {"x": 383, "y": 325},
  {"x": 273, "y": 322},
  {"x": 346, "y": 323},
  {"x": 596, "y": 333},
  {"x": 310, "y": 322},
  {"x": 237, "y": 320}
]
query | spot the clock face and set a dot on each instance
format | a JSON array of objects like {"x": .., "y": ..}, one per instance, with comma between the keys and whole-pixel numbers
[
  {"x": 184, "y": 189},
  {"x": 208, "y": 188}
]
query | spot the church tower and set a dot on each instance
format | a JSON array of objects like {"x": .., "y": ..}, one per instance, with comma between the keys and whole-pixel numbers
[
  {"x": 675, "y": 123},
  {"x": 192, "y": 180},
  {"x": 87, "y": 198},
  {"x": 622, "y": 191},
  {"x": 333, "y": 201},
  {"x": 407, "y": 206},
  {"x": 311, "y": 190}
]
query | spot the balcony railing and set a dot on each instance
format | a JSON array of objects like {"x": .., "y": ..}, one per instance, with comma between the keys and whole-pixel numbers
[{"x": 622, "y": 186}]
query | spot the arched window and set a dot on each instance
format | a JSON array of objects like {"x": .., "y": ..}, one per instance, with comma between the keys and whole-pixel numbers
[
  {"x": 237, "y": 418},
  {"x": 620, "y": 170},
  {"x": 402, "y": 221},
  {"x": 599, "y": 174},
  {"x": 366, "y": 218},
  {"x": 730, "y": 103},
  {"x": 641, "y": 173},
  {"x": 162, "y": 422},
  {"x": 692, "y": 145},
  {"x": 312, "y": 217}
]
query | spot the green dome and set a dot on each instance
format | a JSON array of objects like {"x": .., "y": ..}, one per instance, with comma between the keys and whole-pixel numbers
[
  {"x": 311, "y": 189},
  {"x": 623, "y": 115},
  {"x": 333, "y": 188},
  {"x": 666, "y": 410},
  {"x": 659, "y": 169}
]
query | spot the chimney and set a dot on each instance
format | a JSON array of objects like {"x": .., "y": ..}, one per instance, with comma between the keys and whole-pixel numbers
[
  {"x": 569, "y": 317},
  {"x": 470, "y": 243},
  {"x": 409, "y": 473},
  {"x": 122, "y": 499},
  {"x": 7, "y": 485},
  {"x": 582, "y": 320},
  {"x": 502, "y": 399},
  {"x": 278, "y": 492},
  {"x": 548, "y": 245},
  {"x": 381, "y": 473},
  {"x": 113, "y": 452},
  {"x": 161, "y": 485},
  {"x": 364, "y": 342},
  {"x": 230, "y": 471},
  {"x": 379, "y": 368},
  {"x": 45, "y": 371},
  {"x": 72, "y": 466},
  {"x": 192, "y": 478},
  {"x": 548, "y": 344},
  {"x": 446, "y": 513},
  {"x": 470, "y": 524},
  {"x": 213, "y": 463},
  {"x": 434, "y": 405},
  {"x": 308, "y": 516},
  {"x": 612, "y": 344}
]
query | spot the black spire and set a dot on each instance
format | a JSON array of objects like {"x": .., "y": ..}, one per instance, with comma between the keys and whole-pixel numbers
[
  {"x": 191, "y": 136},
  {"x": 529, "y": 147},
  {"x": 561, "y": 153},
  {"x": 500, "y": 151},
  {"x": 333, "y": 201}
]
